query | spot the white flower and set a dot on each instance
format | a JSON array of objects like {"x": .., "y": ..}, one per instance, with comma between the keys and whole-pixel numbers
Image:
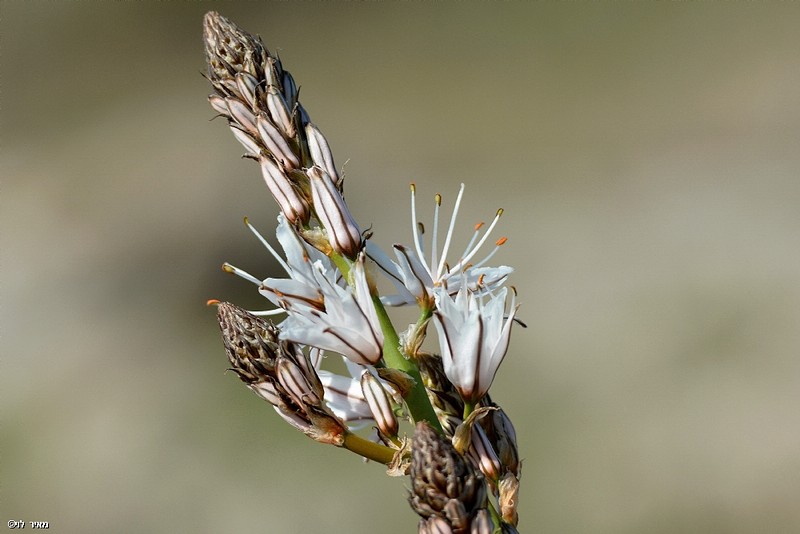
[
  {"x": 339, "y": 319},
  {"x": 353, "y": 403},
  {"x": 473, "y": 337},
  {"x": 415, "y": 275},
  {"x": 343, "y": 394},
  {"x": 323, "y": 311}
]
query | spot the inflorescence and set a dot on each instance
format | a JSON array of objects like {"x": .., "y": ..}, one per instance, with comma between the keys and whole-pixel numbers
[{"x": 462, "y": 455}]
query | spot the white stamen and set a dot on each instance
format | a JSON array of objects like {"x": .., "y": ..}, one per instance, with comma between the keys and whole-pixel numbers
[
  {"x": 269, "y": 247},
  {"x": 449, "y": 233},
  {"x": 265, "y": 313},
  {"x": 477, "y": 247},
  {"x": 435, "y": 234},
  {"x": 414, "y": 227},
  {"x": 487, "y": 258},
  {"x": 228, "y": 268}
]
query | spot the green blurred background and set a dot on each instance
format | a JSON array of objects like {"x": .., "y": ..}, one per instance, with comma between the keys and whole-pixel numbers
[{"x": 647, "y": 156}]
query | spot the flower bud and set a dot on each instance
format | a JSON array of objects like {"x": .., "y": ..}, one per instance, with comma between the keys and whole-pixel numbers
[
  {"x": 271, "y": 68},
  {"x": 482, "y": 523},
  {"x": 482, "y": 453},
  {"x": 289, "y": 88},
  {"x": 434, "y": 525},
  {"x": 503, "y": 436},
  {"x": 242, "y": 115},
  {"x": 279, "y": 372},
  {"x": 279, "y": 112},
  {"x": 250, "y": 144},
  {"x": 332, "y": 212},
  {"x": 321, "y": 153},
  {"x": 379, "y": 404},
  {"x": 229, "y": 49},
  {"x": 248, "y": 85},
  {"x": 275, "y": 142},
  {"x": 294, "y": 381},
  {"x": 219, "y": 105},
  {"x": 443, "y": 483},
  {"x": 293, "y": 206}
]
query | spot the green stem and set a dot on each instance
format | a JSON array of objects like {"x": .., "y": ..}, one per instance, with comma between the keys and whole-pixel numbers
[
  {"x": 342, "y": 264},
  {"x": 368, "y": 449},
  {"x": 417, "y": 399},
  {"x": 469, "y": 407},
  {"x": 498, "y": 521}
]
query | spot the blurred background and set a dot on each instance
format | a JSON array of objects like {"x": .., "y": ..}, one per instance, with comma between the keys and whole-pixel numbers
[{"x": 647, "y": 159}]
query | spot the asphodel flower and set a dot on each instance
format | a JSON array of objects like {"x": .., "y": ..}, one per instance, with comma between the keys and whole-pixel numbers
[
  {"x": 345, "y": 323},
  {"x": 473, "y": 337},
  {"x": 416, "y": 273}
]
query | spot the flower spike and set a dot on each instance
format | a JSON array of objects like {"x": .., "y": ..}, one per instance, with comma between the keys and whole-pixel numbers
[{"x": 463, "y": 459}]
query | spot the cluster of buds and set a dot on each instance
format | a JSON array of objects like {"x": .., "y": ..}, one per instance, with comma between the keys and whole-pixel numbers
[{"x": 462, "y": 453}]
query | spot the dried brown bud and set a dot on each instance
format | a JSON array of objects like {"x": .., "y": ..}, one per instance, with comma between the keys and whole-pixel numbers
[
  {"x": 509, "y": 497},
  {"x": 443, "y": 484}
]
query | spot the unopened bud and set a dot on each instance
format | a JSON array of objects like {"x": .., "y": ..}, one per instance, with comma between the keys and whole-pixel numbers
[
  {"x": 247, "y": 142},
  {"x": 332, "y": 212},
  {"x": 293, "y": 206},
  {"x": 279, "y": 112},
  {"x": 229, "y": 49},
  {"x": 248, "y": 85},
  {"x": 219, "y": 105},
  {"x": 482, "y": 453},
  {"x": 250, "y": 343},
  {"x": 289, "y": 88},
  {"x": 294, "y": 381},
  {"x": 275, "y": 142},
  {"x": 266, "y": 390},
  {"x": 504, "y": 438},
  {"x": 321, "y": 153},
  {"x": 279, "y": 372},
  {"x": 241, "y": 114},
  {"x": 434, "y": 525},
  {"x": 482, "y": 523},
  {"x": 443, "y": 483},
  {"x": 271, "y": 68},
  {"x": 379, "y": 404}
]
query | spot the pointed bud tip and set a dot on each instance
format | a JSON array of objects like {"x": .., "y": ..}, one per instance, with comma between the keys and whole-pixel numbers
[{"x": 210, "y": 18}]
